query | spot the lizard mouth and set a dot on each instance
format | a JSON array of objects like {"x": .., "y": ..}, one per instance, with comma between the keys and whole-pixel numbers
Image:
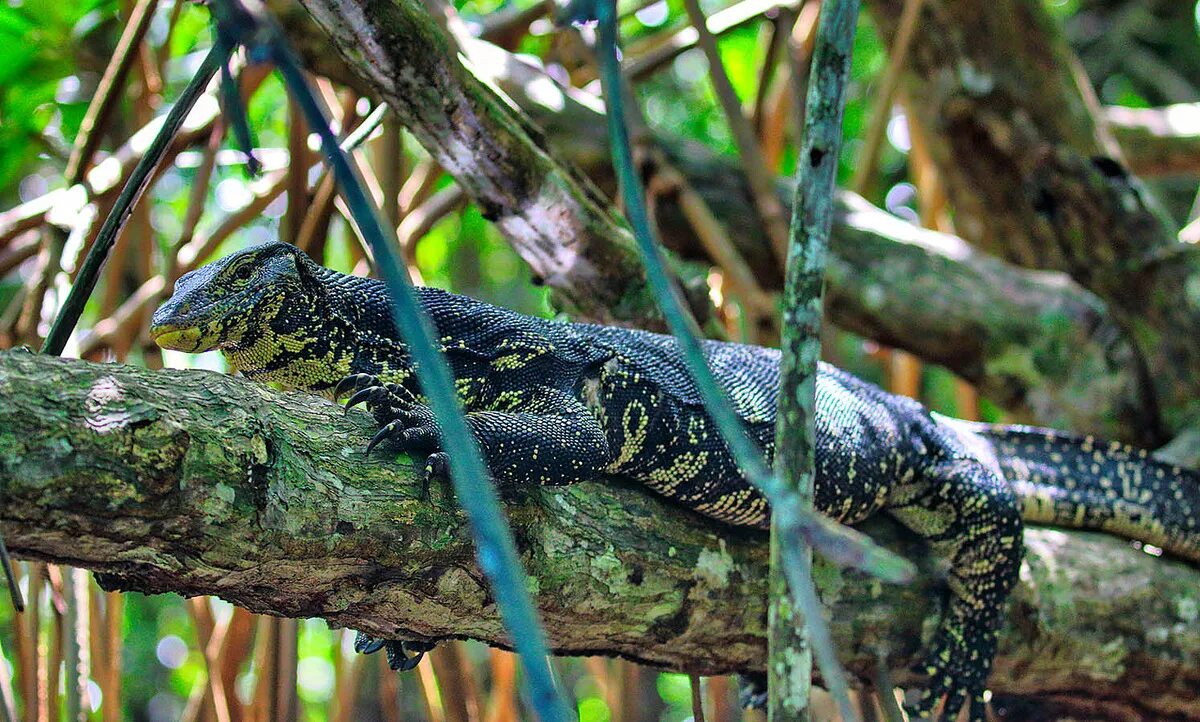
[{"x": 176, "y": 338}]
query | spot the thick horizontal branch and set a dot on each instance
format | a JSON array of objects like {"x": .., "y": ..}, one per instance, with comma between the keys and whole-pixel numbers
[{"x": 196, "y": 483}]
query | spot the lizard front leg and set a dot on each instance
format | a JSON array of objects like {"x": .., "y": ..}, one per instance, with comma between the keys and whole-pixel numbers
[
  {"x": 970, "y": 517},
  {"x": 557, "y": 442},
  {"x": 547, "y": 438}
]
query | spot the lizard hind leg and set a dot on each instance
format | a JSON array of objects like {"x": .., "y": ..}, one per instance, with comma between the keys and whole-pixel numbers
[
  {"x": 402, "y": 655},
  {"x": 971, "y": 518}
]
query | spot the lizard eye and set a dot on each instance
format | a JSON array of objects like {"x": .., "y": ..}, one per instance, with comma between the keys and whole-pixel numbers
[{"x": 244, "y": 273}]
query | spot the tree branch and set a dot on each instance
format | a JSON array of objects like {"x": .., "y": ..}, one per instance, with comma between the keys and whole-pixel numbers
[
  {"x": 1158, "y": 141},
  {"x": 196, "y": 483},
  {"x": 557, "y": 221},
  {"x": 1036, "y": 177},
  {"x": 1049, "y": 351}
]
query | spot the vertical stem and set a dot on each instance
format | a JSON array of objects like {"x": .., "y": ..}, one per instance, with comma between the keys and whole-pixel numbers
[
  {"x": 789, "y": 666},
  {"x": 389, "y": 162},
  {"x": 8, "y": 710},
  {"x": 110, "y": 684},
  {"x": 865, "y": 174},
  {"x": 760, "y": 177},
  {"x": 287, "y": 705},
  {"x": 74, "y": 640},
  {"x": 697, "y": 698},
  {"x": 297, "y": 187},
  {"x": 32, "y": 689}
]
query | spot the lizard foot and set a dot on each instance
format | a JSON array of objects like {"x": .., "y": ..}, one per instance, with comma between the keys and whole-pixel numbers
[
  {"x": 404, "y": 423},
  {"x": 752, "y": 691},
  {"x": 402, "y": 655},
  {"x": 382, "y": 400},
  {"x": 957, "y": 667}
]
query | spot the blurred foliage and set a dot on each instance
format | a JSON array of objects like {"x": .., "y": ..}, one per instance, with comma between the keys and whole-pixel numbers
[{"x": 53, "y": 52}]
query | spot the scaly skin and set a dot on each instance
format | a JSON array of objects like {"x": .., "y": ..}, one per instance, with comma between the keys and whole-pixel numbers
[{"x": 553, "y": 403}]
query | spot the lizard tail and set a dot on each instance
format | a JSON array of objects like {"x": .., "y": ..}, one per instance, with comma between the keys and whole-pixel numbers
[{"x": 1083, "y": 483}]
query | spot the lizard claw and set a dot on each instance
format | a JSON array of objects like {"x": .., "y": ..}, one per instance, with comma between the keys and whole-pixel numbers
[
  {"x": 409, "y": 439},
  {"x": 397, "y": 654},
  {"x": 956, "y": 677},
  {"x": 371, "y": 394},
  {"x": 366, "y": 644},
  {"x": 387, "y": 430},
  {"x": 354, "y": 382},
  {"x": 437, "y": 466},
  {"x": 398, "y": 651}
]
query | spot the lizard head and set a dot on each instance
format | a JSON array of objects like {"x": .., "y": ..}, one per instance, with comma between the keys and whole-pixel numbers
[{"x": 236, "y": 300}]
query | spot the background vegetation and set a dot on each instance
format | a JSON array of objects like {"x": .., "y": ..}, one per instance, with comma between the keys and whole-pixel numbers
[{"x": 147, "y": 658}]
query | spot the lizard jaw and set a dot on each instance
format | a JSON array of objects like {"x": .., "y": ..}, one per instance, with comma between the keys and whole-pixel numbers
[{"x": 176, "y": 338}]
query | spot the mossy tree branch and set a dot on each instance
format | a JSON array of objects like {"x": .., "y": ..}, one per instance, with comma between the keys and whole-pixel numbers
[
  {"x": 196, "y": 483},
  {"x": 558, "y": 222}
]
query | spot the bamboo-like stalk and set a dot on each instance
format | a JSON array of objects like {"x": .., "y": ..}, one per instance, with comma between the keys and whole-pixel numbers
[
  {"x": 210, "y": 636},
  {"x": 776, "y": 34},
  {"x": 348, "y": 673},
  {"x": 33, "y": 625},
  {"x": 388, "y": 691},
  {"x": 110, "y": 682},
  {"x": 297, "y": 174},
  {"x": 502, "y": 705},
  {"x": 235, "y": 649},
  {"x": 265, "y": 657},
  {"x": 198, "y": 193},
  {"x": 762, "y": 180},
  {"x": 719, "y": 23},
  {"x": 388, "y": 159},
  {"x": 422, "y": 218},
  {"x": 7, "y": 700},
  {"x": 428, "y": 691},
  {"x": 25, "y": 648},
  {"x": 457, "y": 687},
  {"x": 719, "y": 695},
  {"x": 48, "y": 683},
  {"x": 108, "y": 92},
  {"x": 800, "y": 51},
  {"x": 286, "y": 703},
  {"x": 715, "y": 239},
  {"x": 96, "y": 641},
  {"x": 697, "y": 698},
  {"x": 76, "y": 657},
  {"x": 865, "y": 168}
]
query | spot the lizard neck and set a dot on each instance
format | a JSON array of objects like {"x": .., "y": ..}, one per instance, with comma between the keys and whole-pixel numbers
[{"x": 340, "y": 325}]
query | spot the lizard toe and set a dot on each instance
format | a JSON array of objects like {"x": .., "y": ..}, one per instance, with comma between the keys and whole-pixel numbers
[{"x": 354, "y": 383}]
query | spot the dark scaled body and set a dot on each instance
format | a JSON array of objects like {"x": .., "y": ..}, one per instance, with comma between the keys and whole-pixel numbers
[{"x": 554, "y": 403}]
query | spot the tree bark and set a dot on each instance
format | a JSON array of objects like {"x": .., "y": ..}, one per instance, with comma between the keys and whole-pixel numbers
[
  {"x": 197, "y": 483},
  {"x": 1035, "y": 177}
]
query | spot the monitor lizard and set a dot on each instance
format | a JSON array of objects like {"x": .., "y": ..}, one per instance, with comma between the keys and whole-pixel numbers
[{"x": 553, "y": 402}]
